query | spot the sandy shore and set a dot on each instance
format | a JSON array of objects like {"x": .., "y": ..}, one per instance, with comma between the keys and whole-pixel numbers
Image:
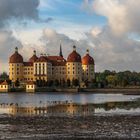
[{"x": 70, "y": 128}]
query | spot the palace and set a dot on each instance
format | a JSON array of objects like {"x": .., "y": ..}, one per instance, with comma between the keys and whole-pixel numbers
[{"x": 48, "y": 68}]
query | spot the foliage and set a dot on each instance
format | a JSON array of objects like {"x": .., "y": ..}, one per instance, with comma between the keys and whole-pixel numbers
[
  {"x": 75, "y": 82},
  {"x": 118, "y": 79},
  {"x": 56, "y": 83},
  {"x": 68, "y": 82},
  {"x": 4, "y": 76},
  {"x": 17, "y": 83}
]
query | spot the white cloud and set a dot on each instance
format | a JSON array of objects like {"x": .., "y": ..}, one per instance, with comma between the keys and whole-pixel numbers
[
  {"x": 123, "y": 15},
  {"x": 7, "y": 44}
]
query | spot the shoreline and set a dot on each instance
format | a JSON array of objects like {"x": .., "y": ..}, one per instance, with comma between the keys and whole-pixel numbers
[
  {"x": 115, "y": 127},
  {"x": 125, "y": 91}
]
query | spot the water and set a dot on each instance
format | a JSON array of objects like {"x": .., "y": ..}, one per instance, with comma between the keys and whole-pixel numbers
[{"x": 60, "y": 104}]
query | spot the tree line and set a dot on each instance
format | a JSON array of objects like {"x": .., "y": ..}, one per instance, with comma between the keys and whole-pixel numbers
[
  {"x": 105, "y": 79},
  {"x": 117, "y": 79}
]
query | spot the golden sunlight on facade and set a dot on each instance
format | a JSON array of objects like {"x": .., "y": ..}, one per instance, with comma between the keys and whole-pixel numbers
[{"x": 47, "y": 68}]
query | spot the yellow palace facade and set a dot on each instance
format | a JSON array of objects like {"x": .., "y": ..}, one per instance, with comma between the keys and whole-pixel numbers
[{"x": 51, "y": 67}]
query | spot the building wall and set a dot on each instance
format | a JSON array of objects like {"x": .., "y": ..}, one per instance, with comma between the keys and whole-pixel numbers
[
  {"x": 30, "y": 88},
  {"x": 4, "y": 88},
  {"x": 42, "y": 71},
  {"x": 45, "y": 71},
  {"x": 28, "y": 73},
  {"x": 16, "y": 72},
  {"x": 74, "y": 70},
  {"x": 88, "y": 72},
  {"x": 59, "y": 73}
]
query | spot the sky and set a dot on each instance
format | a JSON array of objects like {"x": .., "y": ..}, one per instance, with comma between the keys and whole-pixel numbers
[{"x": 110, "y": 29}]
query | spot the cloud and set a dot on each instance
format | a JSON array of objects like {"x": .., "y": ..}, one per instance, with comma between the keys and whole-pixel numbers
[
  {"x": 123, "y": 15},
  {"x": 7, "y": 44},
  {"x": 114, "y": 52},
  {"x": 114, "y": 48},
  {"x": 18, "y": 9}
]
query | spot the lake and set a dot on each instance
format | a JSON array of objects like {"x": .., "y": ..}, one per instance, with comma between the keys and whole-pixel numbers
[{"x": 68, "y": 104}]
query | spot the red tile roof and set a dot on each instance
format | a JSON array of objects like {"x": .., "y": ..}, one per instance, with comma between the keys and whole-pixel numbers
[
  {"x": 30, "y": 83},
  {"x": 28, "y": 64},
  {"x": 4, "y": 83},
  {"x": 74, "y": 57},
  {"x": 16, "y": 58},
  {"x": 87, "y": 60},
  {"x": 42, "y": 59},
  {"x": 33, "y": 59},
  {"x": 57, "y": 60}
]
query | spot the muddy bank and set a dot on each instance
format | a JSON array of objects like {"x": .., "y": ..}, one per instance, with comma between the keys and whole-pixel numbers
[
  {"x": 126, "y": 91},
  {"x": 91, "y": 127}
]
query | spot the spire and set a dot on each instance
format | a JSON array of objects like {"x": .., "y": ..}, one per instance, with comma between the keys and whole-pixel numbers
[
  {"x": 87, "y": 51},
  {"x": 60, "y": 53},
  {"x": 16, "y": 49},
  {"x": 34, "y": 52},
  {"x": 74, "y": 48}
]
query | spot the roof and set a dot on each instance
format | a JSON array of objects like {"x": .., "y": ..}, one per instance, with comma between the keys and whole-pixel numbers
[
  {"x": 28, "y": 64},
  {"x": 33, "y": 58},
  {"x": 87, "y": 60},
  {"x": 57, "y": 60},
  {"x": 16, "y": 58},
  {"x": 4, "y": 83},
  {"x": 42, "y": 59},
  {"x": 74, "y": 57},
  {"x": 30, "y": 83}
]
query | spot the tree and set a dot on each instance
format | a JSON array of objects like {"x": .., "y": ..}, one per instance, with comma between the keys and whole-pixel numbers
[
  {"x": 17, "y": 83},
  {"x": 112, "y": 80},
  {"x": 63, "y": 82},
  {"x": 68, "y": 82},
  {"x": 56, "y": 82},
  {"x": 50, "y": 83},
  {"x": 4, "y": 76},
  {"x": 75, "y": 82}
]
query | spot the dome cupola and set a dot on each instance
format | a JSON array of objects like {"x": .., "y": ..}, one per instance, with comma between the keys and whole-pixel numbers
[
  {"x": 33, "y": 58},
  {"x": 87, "y": 59},
  {"x": 16, "y": 57},
  {"x": 74, "y": 56}
]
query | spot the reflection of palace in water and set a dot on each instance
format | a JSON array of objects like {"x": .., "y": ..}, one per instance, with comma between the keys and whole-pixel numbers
[
  {"x": 53, "y": 110},
  {"x": 62, "y": 109}
]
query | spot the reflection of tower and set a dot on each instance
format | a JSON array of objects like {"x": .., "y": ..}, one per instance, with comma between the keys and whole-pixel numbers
[{"x": 17, "y": 111}]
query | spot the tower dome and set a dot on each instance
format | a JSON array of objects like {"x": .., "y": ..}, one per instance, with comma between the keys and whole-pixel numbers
[
  {"x": 74, "y": 56},
  {"x": 87, "y": 59},
  {"x": 16, "y": 57},
  {"x": 33, "y": 58}
]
